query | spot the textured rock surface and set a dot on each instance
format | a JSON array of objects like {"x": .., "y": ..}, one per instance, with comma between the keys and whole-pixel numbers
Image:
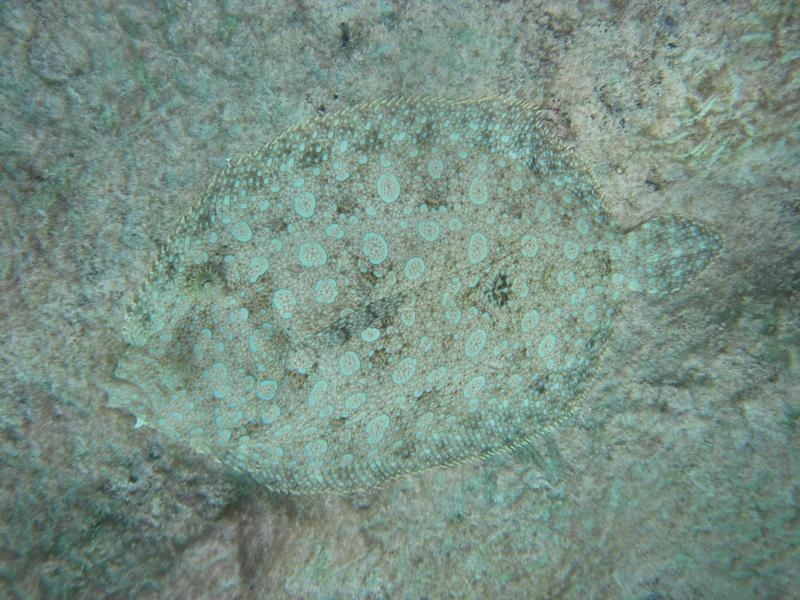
[
  {"x": 393, "y": 287},
  {"x": 678, "y": 477}
]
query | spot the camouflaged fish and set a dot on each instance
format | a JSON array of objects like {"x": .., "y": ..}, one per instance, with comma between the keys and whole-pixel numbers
[{"x": 397, "y": 286}]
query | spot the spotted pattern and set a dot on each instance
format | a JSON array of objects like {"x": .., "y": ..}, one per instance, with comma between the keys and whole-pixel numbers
[
  {"x": 546, "y": 346},
  {"x": 241, "y": 232},
  {"x": 436, "y": 167},
  {"x": 375, "y": 248},
  {"x": 414, "y": 268},
  {"x": 388, "y": 187},
  {"x": 429, "y": 230},
  {"x": 317, "y": 393},
  {"x": 571, "y": 249},
  {"x": 377, "y": 428},
  {"x": 478, "y": 191},
  {"x": 349, "y": 364},
  {"x": 305, "y": 203},
  {"x": 312, "y": 254},
  {"x": 385, "y": 289},
  {"x": 404, "y": 371},
  {"x": 478, "y": 248},
  {"x": 257, "y": 267},
  {"x": 267, "y": 389},
  {"x": 284, "y": 302},
  {"x": 475, "y": 343},
  {"x": 325, "y": 290}
]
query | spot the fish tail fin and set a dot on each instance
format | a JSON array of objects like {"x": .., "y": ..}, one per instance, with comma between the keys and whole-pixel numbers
[{"x": 666, "y": 253}]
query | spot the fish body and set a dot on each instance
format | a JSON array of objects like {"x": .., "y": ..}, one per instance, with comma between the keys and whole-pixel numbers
[{"x": 393, "y": 287}]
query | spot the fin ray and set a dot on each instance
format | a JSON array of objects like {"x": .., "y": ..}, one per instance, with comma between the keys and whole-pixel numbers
[{"x": 667, "y": 253}]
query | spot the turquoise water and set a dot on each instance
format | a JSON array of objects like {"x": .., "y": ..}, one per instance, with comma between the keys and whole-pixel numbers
[{"x": 675, "y": 473}]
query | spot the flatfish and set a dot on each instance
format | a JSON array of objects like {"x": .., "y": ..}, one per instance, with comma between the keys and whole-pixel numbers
[{"x": 397, "y": 286}]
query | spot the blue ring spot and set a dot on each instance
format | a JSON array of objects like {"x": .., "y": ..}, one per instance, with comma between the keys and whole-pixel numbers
[
  {"x": 436, "y": 168},
  {"x": 370, "y": 334},
  {"x": 376, "y": 428},
  {"x": 349, "y": 363},
  {"x": 478, "y": 191},
  {"x": 305, "y": 204},
  {"x": 571, "y": 250},
  {"x": 546, "y": 346},
  {"x": 257, "y": 267},
  {"x": 241, "y": 232},
  {"x": 325, "y": 290},
  {"x": 429, "y": 230},
  {"x": 478, "y": 248},
  {"x": 474, "y": 386},
  {"x": 267, "y": 388},
  {"x": 375, "y": 248},
  {"x": 317, "y": 393},
  {"x": 316, "y": 448},
  {"x": 388, "y": 187},
  {"x": 312, "y": 254},
  {"x": 414, "y": 268},
  {"x": 355, "y": 401},
  {"x": 404, "y": 371},
  {"x": 475, "y": 344}
]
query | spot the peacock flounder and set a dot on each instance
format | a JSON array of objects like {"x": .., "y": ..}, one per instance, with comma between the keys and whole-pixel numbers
[{"x": 396, "y": 286}]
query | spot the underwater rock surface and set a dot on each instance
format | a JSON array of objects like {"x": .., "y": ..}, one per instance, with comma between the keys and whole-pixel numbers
[{"x": 393, "y": 287}]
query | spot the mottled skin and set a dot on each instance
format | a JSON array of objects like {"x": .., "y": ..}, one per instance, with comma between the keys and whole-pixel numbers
[{"x": 394, "y": 287}]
